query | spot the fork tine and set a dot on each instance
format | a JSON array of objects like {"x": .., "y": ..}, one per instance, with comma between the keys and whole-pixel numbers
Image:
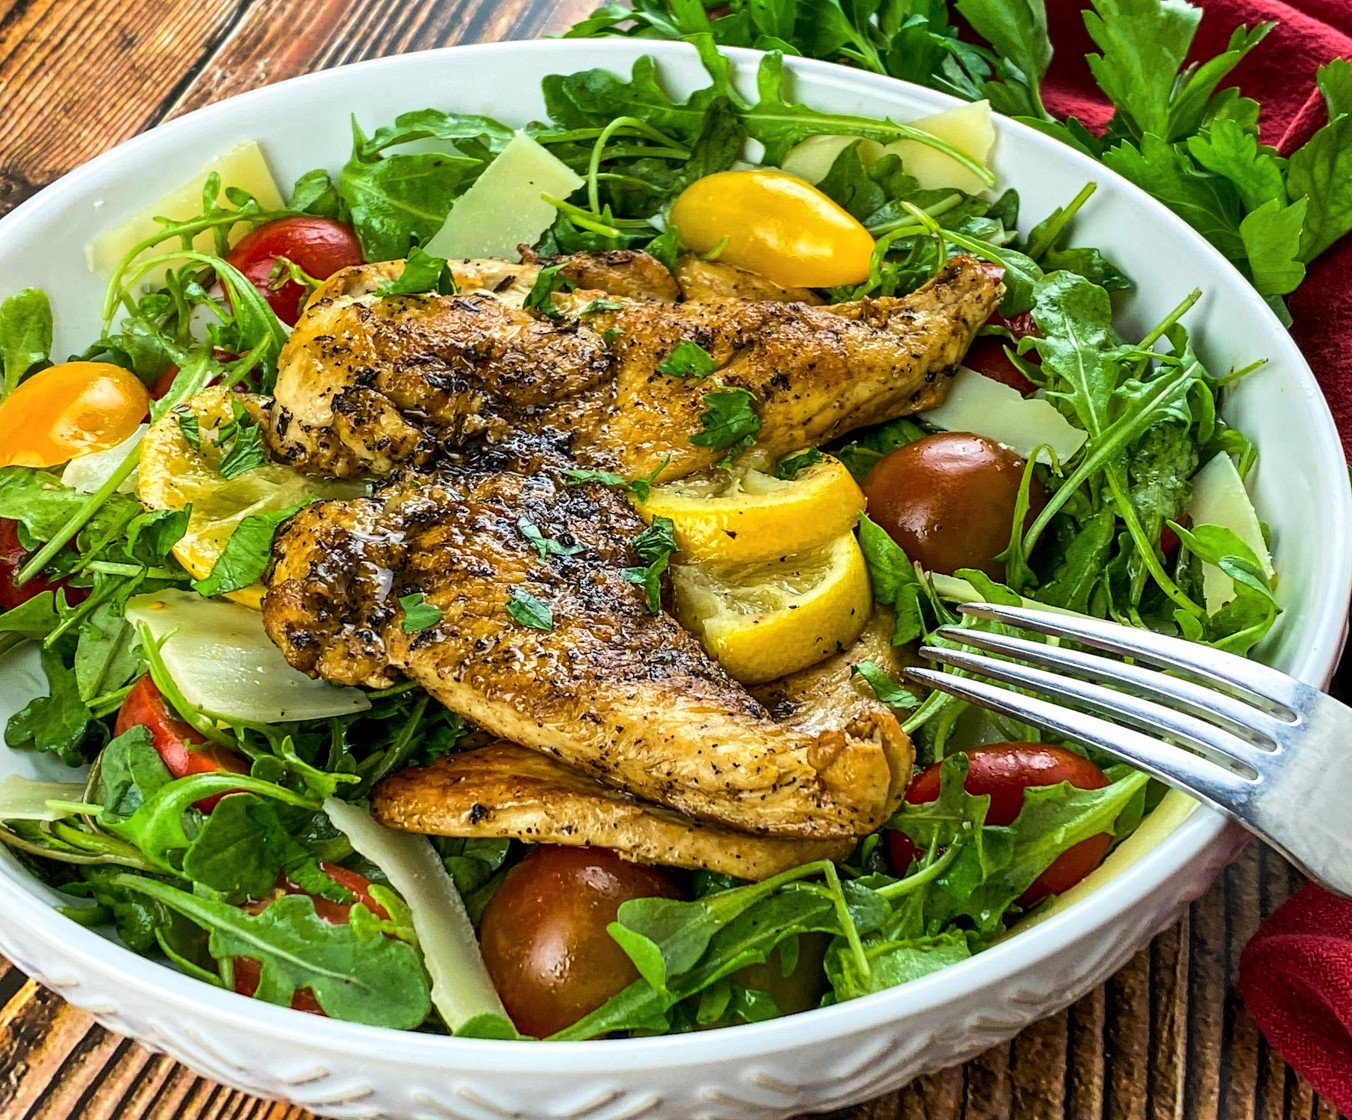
[
  {"x": 1224, "y": 668},
  {"x": 1242, "y": 718},
  {"x": 1187, "y": 772},
  {"x": 1146, "y": 714}
]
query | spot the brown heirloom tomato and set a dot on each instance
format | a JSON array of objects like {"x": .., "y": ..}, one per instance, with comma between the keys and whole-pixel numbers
[
  {"x": 1002, "y": 771},
  {"x": 544, "y": 938},
  {"x": 949, "y": 499}
]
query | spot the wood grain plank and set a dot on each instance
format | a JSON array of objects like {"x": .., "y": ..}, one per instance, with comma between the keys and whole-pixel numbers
[{"x": 78, "y": 78}]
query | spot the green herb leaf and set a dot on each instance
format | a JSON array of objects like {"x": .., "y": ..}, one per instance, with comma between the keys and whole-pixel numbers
[
  {"x": 544, "y": 546},
  {"x": 25, "y": 335},
  {"x": 246, "y": 451},
  {"x": 598, "y": 305},
  {"x": 541, "y": 295},
  {"x": 530, "y": 611},
  {"x": 729, "y": 421},
  {"x": 789, "y": 466},
  {"x": 59, "y": 722},
  {"x": 891, "y": 692},
  {"x": 419, "y": 614},
  {"x": 654, "y": 546},
  {"x": 246, "y": 554},
  {"x": 422, "y": 273},
  {"x": 893, "y": 578},
  {"x": 688, "y": 359}
]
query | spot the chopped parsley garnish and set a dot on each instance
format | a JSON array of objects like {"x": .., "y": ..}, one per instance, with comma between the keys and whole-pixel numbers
[
  {"x": 610, "y": 334},
  {"x": 688, "y": 359},
  {"x": 598, "y": 305},
  {"x": 729, "y": 421},
  {"x": 422, "y": 273},
  {"x": 544, "y": 546},
  {"x": 790, "y": 465},
  {"x": 654, "y": 547},
  {"x": 419, "y": 614},
  {"x": 541, "y": 295},
  {"x": 530, "y": 611},
  {"x": 188, "y": 425},
  {"x": 246, "y": 554},
  {"x": 639, "y": 487}
]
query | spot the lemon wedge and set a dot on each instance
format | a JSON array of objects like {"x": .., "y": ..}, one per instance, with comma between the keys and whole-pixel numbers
[
  {"x": 766, "y": 619},
  {"x": 173, "y": 473},
  {"x": 743, "y": 515}
]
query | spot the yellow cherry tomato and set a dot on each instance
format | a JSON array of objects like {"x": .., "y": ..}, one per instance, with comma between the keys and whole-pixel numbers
[
  {"x": 70, "y": 409},
  {"x": 775, "y": 224}
]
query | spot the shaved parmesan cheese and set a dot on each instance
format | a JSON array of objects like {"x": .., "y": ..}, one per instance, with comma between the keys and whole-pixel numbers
[
  {"x": 25, "y": 799},
  {"x": 504, "y": 207},
  {"x": 461, "y": 988},
  {"x": 86, "y": 473},
  {"x": 224, "y": 663},
  {"x": 986, "y": 407},
  {"x": 1219, "y": 498},
  {"x": 812, "y": 159},
  {"x": 968, "y": 128},
  {"x": 242, "y": 166}
]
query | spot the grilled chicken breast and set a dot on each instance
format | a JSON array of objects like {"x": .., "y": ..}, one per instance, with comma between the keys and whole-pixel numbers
[
  {"x": 506, "y": 790},
  {"x": 369, "y": 383},
  {"x": 562, "y": 656}
]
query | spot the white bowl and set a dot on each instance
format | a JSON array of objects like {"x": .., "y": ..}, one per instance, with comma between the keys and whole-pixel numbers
[{"x": 822, "y": 1059}]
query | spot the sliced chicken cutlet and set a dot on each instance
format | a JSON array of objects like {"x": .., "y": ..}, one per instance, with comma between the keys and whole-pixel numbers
[
  {"x": 699, "y": 279},
  {"x": 504, "y": 790},
  {"x": 562, "y": 656},
  {"x": 369, "y": 383}
]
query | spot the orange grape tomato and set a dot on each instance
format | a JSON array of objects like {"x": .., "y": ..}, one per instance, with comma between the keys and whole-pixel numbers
[
  {"x": 775, "y": 224},
  {"x": 70, "y": 409}
]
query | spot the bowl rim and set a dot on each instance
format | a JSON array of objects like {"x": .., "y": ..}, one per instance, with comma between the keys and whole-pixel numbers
[{"x": 1203, "y": 831}]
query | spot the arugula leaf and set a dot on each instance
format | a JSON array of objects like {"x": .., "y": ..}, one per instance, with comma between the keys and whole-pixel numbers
[
  {"x": 25, "y": 336},
  {"x": 314, "y": 193},
  {"x": 728, "y": 422},
  {"x": 654, "y": 546},
  {"x": 419, "y": 614},
  {"x": 59, "y": 722},
  {"x": 130, "y": 773},
  {"x": 541, "y": 295},
  {"x": 244, "y": 844},
  {"x": 687, "y": 359},
  {"x": 106, "y": 656},
  {"x": 246, "y": 554},
  {"x": 529, "y": 610},
  {"x": 893, "y": 578},
  {"x": 368, "y": 979},
  {"x": 422, "y": 273},
  {"x": 151, "y": 536},
  {"x": 891, "y": 692}
]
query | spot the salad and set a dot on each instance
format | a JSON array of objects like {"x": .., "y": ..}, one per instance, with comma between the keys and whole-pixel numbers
[{"x": 345, "y": 829}]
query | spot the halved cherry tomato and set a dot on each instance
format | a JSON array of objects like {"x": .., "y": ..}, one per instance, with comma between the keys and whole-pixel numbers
[
  {"x": 1003, "y": 771},
  {"x": 775, "y": 224},
  {"x": 182, "y": 749},
  {"x": 317, "y": 246},
  {"x": 13, "y": 556},
  {"x": 949, "y": 499},
  {"x": 544, "y": 938},
  {"x": 248, "y": 970},
  {"x": 70, "y": 409}
]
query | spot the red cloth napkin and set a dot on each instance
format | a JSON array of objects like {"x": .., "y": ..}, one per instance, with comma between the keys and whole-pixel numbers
[
  {"x": 1296, "y": 973},
  {"x": 1280, "y": 74}
]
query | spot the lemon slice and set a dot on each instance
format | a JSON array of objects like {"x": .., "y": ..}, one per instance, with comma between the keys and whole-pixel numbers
[
  {"x": 764, "y": 620},
  {"x": 743, "y": 515},
  {"x": 173, "y": 474}
]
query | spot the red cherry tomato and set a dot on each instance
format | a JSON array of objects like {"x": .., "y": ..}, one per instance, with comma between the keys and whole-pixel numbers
[
  {"x": 544, "y": 938},
  {"x": 12, "y": 558},
  {"x": 178, "y": 744},
  {"x": 1002, "y": 771},
  {"x": 949, "y": 500},
  {"x": 318, "y": 246},
  {"x": 248, "y": 970}
]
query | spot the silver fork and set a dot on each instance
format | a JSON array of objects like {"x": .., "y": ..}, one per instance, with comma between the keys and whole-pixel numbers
[{"x": 1274, "y": 754}]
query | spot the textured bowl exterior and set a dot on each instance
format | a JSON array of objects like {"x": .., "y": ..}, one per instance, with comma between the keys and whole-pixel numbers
[{"x": 820, "y": 1060}]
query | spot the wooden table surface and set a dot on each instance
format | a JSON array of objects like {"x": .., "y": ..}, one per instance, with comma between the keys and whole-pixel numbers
[{"x": 1166, "y": 1037}]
